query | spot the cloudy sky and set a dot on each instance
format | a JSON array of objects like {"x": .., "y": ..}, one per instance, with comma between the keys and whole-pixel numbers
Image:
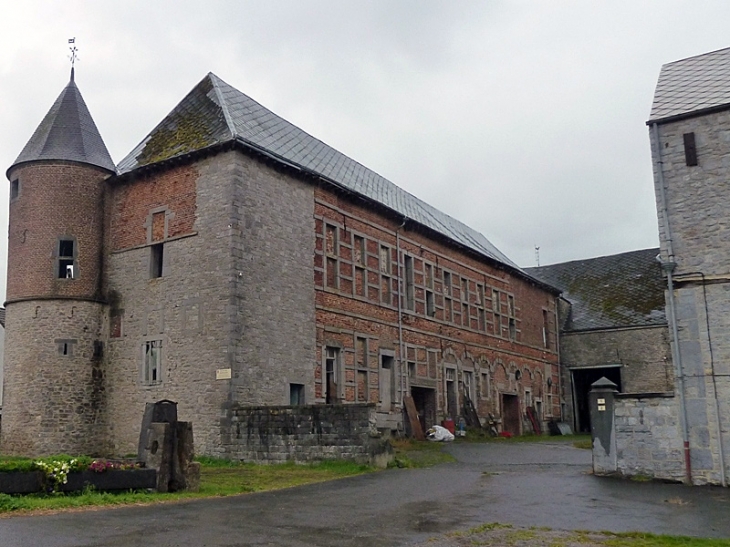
[{"x": 524, "y": 119}]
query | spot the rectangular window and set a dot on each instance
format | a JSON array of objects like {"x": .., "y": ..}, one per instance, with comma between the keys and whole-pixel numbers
[
  {"x": 156, "y": 260},
  {"x": 690, "y": 149},
  {"x": 152, "y": 369},
  {"x": 512, "y": 329},
  {"x": 469, "y": 384},
  {"x": 447, "y": 283},
  {"x": 66, "y": 259},
  {"x": 430, "y": 306},
  {"x": 14, "y": 189},
  {"x": 410, "y": 289},
  {"x": 296, "y": 394},
  {"x": 331, "y": 374},
  {"x": 545, "y": 329}
]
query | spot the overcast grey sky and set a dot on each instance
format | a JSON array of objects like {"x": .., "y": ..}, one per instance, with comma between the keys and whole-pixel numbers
[{"x": 523, "y": 119}]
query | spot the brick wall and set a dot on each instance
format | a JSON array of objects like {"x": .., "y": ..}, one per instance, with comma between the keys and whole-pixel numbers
[
  {"x": 486, "y": 327},
  {"x": 55, "y": 200},
  {"x": 274, "y": 434}
]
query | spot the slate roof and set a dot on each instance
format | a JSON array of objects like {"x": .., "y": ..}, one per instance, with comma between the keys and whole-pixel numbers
[
  {"x": 692, "y": 85},
  {"x": 67, "y": 132},
  {"x": 214, "y": 113},
  {"x": 623, "y": 290}
]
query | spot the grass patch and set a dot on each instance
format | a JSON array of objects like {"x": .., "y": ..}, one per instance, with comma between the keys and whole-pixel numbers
[
  {"x": 217, "y": 478},
  {"x": 412, "y": 453},
  {"x": 495, "y": 533}
]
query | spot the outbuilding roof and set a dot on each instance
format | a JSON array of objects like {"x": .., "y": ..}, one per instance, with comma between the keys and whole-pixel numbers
[
  {"x": 692, "y": 85},
  {"x": 623, "y": 290},
  {"x": 68, "y": 133},
  {"x": 215, "y": 113}
]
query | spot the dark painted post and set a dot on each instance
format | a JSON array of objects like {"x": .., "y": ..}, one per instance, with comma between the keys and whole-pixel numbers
[{"x": 603, "y": 432}]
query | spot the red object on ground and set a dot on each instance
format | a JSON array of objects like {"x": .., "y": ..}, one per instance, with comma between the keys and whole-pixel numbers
[
  {"x": 506, "y": 434},
  {"x": 448, "y": 423}
]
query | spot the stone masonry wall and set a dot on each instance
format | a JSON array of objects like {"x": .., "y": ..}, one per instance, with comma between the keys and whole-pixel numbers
[
  {"x": 270, "y": 302},
  {"x": 185, "y": 310},
  {"x": 644, "y": 353},
  {"x": 696, "y": 199},
  {"x": 648, "y": 437},
  {"x": 53, "y": 402},
  {"x": 274, "y": 434}
]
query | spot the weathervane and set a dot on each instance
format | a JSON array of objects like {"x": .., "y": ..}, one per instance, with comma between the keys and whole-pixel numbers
[
  {"x": 73, "y": 56},
  {"x": 537, "y": 255}
]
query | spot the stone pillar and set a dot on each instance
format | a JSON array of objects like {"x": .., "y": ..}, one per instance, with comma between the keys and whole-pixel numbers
[{"x": 603, "y": 431}]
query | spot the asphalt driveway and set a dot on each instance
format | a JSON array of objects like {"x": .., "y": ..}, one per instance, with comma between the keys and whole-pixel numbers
[{"x": 535, "y": 484}]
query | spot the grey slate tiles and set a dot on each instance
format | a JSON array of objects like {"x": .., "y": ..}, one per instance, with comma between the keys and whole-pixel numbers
[
  {"x": 214, "y": 113},
  {"x": 623, "y": 290},
  {"x": 67, "y": 132},
  {"x": 692, "y": 85}
]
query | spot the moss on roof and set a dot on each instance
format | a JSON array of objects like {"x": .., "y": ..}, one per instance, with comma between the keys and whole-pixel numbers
[{"x": 611, "y": 291}]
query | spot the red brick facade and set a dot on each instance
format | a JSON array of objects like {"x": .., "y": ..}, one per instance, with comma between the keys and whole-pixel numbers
[
  {"x": 154, "y": 208},
  {"x": 55, "y": 201},
  {"x": 466, "y": 324}
]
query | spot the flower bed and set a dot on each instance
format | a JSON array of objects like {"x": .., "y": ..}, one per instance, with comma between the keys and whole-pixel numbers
[{"x": 65, "y": 474}]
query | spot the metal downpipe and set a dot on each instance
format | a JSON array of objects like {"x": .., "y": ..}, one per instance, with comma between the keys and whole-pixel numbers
[{"x": 669, "y": 267}]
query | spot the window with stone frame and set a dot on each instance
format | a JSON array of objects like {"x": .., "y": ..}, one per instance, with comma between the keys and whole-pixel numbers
[
  {"x": 385, "y": 275},
  {"x": 331, "y": 244},
  {"x": 152, "y": 362},
  {"x": 359, "y": 262},
  {"x": 362, "y": 376},
  {"x": 447, "y": 290},
  {"x": 410, "y": 296},
  {"x": 66, "y": 253},
  {"x": 428, "y": 284},
  {"x": 332, "y": 373}
]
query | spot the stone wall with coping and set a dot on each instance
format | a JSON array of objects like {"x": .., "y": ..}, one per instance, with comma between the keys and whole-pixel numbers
[
  {"x": 648, "y": 437},
  {"x": 275, "y": 434}
]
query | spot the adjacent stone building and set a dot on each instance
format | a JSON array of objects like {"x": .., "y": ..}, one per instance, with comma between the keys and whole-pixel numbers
[
  {"x": 612, "y": 324},
  {"x": 689, "y": 128},
  {"x": 232, "y": 260}
]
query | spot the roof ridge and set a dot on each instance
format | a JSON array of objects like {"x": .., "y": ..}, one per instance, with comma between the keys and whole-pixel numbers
[{"x": 216, "y": 81}]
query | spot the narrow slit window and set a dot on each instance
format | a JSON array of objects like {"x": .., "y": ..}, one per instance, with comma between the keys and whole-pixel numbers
[
  {"x": 156, "y": 260},
  {"x": 14, "y": 189},
  {"x": 410, "y": 289},
  {"x": 690, "y": 149}
]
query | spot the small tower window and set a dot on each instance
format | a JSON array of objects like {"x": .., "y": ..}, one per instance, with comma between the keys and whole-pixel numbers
[
  {"x": 690, "y": 149},
  {"x": 66, "y": 259},
  {"x": 14, "y": 189}
]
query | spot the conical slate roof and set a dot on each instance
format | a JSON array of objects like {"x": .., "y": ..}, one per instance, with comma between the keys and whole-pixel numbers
[
  {"x": 215, "y": 113},
  {"x": 69, "y": 133}
]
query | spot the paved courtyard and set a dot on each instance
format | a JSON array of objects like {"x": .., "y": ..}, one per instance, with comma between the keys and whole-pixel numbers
[{"x": 525, "y": 484}]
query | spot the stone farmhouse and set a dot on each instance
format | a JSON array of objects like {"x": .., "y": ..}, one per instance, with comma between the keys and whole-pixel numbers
[
  {"x": 613, "y": 325},
  {"x": 233, "y": 260}
]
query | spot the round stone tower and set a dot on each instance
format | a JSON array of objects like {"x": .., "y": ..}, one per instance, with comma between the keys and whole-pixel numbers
[{"x": 53, "y": 398}]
